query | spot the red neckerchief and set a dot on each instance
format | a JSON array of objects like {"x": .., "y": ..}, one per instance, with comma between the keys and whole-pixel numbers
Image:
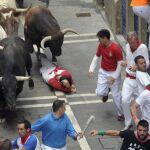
[
  {"x": 138, "y": 44},
  {"x": 142, "y": 141},
  {"x": 55, "y": 72},
  {"x": 56, "y": 69},
  {"x": 24, "y": 139}
]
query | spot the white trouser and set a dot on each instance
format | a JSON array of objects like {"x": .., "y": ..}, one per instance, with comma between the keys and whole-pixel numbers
[
  {"x": 46, "y": 68},
  {"x": 144, "y": 101},
  {"x": 144, "y": 12},
  {"x": 103, "y": 87},
  {"x": 129, "y": 90},
  {"x": 44, "y": 147}
]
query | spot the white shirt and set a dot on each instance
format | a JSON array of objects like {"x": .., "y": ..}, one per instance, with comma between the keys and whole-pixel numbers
[
  {"x": 130, "y": 56},
  {"x": 143, "y": 79},
  {"x": 143, "y": 100}
]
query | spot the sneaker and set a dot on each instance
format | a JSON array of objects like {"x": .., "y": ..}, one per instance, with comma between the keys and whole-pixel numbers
[
  {"x": 127, "y": 127},
  {"x": 105, "y": 98},
  {"x": 120, "y": 118}
]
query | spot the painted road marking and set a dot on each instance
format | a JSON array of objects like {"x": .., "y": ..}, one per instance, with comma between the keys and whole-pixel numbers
[
  {"x": 80, "y": 35},
  {"x": 81, "y": 95},
  {"x": 77, "y": 41},
  {"x": 82, "y": 142},
  {"x": 80, "y": 41},
  {"x": 55, "y": 97},
  {"x": 84, "y": 102},
  {"x": 36, "y": 98}
]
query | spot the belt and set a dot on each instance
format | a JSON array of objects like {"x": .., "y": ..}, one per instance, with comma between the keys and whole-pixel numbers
[
  {"x": 147, "y": 87},
  {"x": 129, "y": 76}
]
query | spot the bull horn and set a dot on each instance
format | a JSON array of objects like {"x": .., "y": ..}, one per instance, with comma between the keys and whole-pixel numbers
[
  {"x": 22, "y": 78},
  {"x": 19, "y": 78},
  {"x": 1, "y": 48},
  {"x": 47, "y": 38},
  {"x": 64, "y": 31},
  {"x": 22, "y": 10}
]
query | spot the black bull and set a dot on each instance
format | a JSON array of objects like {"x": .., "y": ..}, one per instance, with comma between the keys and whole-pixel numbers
[
  {"x": 15, "y": 60},
  {"x": 42, "y": 29}
]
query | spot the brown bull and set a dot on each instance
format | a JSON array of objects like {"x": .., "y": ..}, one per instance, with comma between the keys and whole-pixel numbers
[
  {"x": 41, "y": 28},
  {"x": 9, "y": 21}
]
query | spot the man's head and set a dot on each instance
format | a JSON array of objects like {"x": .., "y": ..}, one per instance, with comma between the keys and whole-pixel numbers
[
  {"x": 6, "y": 145},
  {"x": 141, "y": 63},
  {"x": 142, "y": 129},
  {"x": 103, "y": 36},
  {"x": 59, "y": 107},
  {"x": 24, "y": 127},
  {"x": 133, "y": 41},
  {"x": 65, "y": 81}
]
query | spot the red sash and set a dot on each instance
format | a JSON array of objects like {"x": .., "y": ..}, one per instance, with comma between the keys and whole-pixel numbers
[
  {"x": 129, "y": 76},
  {"x": 24, "y": 139},
  {"x": 147, "y": 87}
]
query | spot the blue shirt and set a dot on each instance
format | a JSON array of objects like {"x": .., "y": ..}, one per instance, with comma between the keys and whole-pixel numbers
[
  {"x": 54, "y": 130},
  {"x": 31, "y": 143}
]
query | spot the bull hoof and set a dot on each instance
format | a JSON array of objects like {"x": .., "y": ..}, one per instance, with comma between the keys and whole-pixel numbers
[
  {"x": 31, "y": 84},
  {"x": 54, "y": 60},
  {"x": 2, "y": 120},
  {"x": 55, "y": 63}
]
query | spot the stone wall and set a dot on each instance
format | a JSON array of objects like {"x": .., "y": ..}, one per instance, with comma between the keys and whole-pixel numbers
[{"x": 113, "y": 12}]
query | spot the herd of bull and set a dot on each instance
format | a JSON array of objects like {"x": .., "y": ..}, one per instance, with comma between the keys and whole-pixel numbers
[{"x": 40, "y": 28}]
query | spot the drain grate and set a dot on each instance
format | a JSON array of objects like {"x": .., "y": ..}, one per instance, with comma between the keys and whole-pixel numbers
[{"x": 83, "y": 14}]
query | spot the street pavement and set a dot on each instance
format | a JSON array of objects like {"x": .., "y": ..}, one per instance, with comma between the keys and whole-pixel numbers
[{"x": 76, "y": 56}]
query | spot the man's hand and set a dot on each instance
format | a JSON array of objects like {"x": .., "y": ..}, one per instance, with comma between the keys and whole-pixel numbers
[
  {"x": 111, "y": 80},
  {"x": 73, "y": 88},
  {"x": 124, "y": 63},
  {"x": 94, "y": 132},
  {"x": 91, "y": 73},
  {"x": 79, "y": 135},
  {"x": 133, "y": 68},
  {"x": 136, "y": 121}
]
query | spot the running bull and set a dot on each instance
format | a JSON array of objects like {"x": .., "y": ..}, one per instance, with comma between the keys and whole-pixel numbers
[
  {"x": 42, "y": 29},
  {"x": 9, "y": 20},
  {"x": 15, "y": 60}
]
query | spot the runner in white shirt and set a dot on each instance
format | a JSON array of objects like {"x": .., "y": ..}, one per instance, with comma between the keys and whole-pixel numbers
[
  {"x": 130, "y": 88},
  {"x": 143, "y": 100}
]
